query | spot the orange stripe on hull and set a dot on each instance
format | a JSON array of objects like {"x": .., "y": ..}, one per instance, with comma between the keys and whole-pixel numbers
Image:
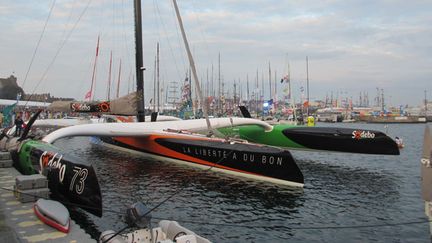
[{"x": 149, "y": 145}]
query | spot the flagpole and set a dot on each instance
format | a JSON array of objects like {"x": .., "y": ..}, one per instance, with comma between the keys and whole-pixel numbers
[
  {"x": 307, "y": 84},
  {"x": 89, "y": 94}
]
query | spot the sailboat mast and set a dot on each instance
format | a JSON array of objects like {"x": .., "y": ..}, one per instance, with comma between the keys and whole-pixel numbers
[
  {"x": 257, "y": 91},
  {"x": 154, "y": 86},
  {"x": 262, "y": 88},
  {"x": 425, "y": 103},
  {"x": 307, "y": 85},
  {"x": 109, "y": 78},
  {"x": 235, "y": 93},
  {"x": 192, "y": 64},
  {"x": 275, "y": 90},
  {"x": 270, "y": 82},
  {"x": 219, "y": 85},
  {"x": 158, "y": 79},
  {"x": 207, "y": 90},
  {"x": 290, "y": 95},
  {"x": 118, "y": 81},
  {"x": 89, "y": 94},
  {"x": 212, "y": 82},
  {"x": 139, "y": 61},
  {"x": 247, "y": 90}
]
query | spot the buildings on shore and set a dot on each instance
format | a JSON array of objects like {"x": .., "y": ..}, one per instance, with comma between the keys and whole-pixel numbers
[{"x": 330, "y": 110}]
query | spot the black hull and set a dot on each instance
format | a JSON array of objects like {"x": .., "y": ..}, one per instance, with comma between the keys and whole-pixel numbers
[
  {"x": 71, "y": 180},
  {"x": 250, "y": 160},
  {"x": 343, "y": 140}
]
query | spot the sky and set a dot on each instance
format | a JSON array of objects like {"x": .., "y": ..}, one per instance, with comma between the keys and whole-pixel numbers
[{"x": 352, "y": 47}]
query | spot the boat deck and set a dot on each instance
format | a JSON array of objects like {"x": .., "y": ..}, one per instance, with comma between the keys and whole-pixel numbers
[{"x": 18, "y": 222}]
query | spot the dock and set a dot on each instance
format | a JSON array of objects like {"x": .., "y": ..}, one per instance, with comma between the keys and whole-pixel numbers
[{"x": 18, "y": 222}]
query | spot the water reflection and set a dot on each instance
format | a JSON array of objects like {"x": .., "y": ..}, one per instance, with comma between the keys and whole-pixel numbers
[
  {"x": 340, "y": 189},
  {"x": 127, "y": 178},
  {"x": 356, "y": 180}
]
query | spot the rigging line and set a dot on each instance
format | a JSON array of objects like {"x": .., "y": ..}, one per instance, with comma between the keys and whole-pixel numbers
[
  {"x": 159, "y": 22},
  {"x": 168, "y": 41},
  {"x": 293, "y": 227},
  {"x": 200, "y": 25},
  {"x": 68, "y": 19},
  {"x": 58, "y": 50},
  {"x": 162, "y": 71},
  {"x": 185, "y": 65},
  {"x": 181, "y": 188},
  {"x": 125, "y": 39},
  {"x": 415, "y": 221},
  {"x": 155, "y": 88},
  {"x": 38, "y": 43}
]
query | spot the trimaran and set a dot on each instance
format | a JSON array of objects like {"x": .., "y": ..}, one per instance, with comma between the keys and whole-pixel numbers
[
  {"x": 179, "y": 141},
  {"x": 75, "y": 181},
  {"x": 168, "y": 140}
]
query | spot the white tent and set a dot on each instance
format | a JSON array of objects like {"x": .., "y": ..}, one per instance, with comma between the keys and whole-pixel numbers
[{"x": 24, "y": 103}]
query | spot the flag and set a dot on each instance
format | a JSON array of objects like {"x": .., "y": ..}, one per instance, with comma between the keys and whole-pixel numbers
[
  {"x": 88, "y": 95},
  {"x": 7, "y": 114}
]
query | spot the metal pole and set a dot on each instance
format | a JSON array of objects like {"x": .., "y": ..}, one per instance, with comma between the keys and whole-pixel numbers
[
  {"x": 139, "y": 62},
  {"x": 307, "y": 85},
  {"x": 219, "y": 85},
  {"x": 154, "y": 86},
  {"x": 158, "y": 79},
  {"x": 425, "y": 102},
  {"x": 270, "y": 82}
]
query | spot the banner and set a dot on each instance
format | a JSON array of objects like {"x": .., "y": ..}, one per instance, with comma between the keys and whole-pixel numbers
[
  {"x": 94, "y": 107},
  {"x": 7, "y": 114}
]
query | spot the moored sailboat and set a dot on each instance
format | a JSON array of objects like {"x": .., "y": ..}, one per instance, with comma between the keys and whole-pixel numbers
[
  {"x": 350, "y": 140},
  {"x": 216, "y": 153},
  {"x": 70, "y": 179},
  {"x": 336, "y": 139},
  {"x": 169, "y": 141},
  {"x": 175, "y": 141}
]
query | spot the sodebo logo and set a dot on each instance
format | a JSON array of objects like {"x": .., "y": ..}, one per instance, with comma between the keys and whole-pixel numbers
[
  {"x": 80, "y": 107},
  {"x": 362, "y": 134}
]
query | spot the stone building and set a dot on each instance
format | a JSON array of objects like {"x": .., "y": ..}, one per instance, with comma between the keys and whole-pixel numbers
[{"x": 9, "y": 88}]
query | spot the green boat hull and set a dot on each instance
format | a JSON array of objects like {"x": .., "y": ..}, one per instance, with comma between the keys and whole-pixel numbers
[
  {"x": 70, "y": 179},
  {"x": 350, "y": 140},
  {"x": 257, "y": 134}
]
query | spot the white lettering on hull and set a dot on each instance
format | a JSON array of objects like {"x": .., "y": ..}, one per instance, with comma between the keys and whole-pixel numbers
[{"x": 219, "y": 154}]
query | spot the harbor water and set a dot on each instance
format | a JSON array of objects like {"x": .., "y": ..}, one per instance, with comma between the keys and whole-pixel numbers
[{"x": 346, "y": 197}]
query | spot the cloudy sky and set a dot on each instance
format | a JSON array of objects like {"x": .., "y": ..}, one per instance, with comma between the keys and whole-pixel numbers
[{"x": 353, "y": 47}]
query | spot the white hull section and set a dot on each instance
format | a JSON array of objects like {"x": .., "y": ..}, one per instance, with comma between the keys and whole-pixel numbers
[
  {"x": 73, "y": 121},
  {"x": 61, "y": 122},
  {"x": 137, "y": 129}
]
